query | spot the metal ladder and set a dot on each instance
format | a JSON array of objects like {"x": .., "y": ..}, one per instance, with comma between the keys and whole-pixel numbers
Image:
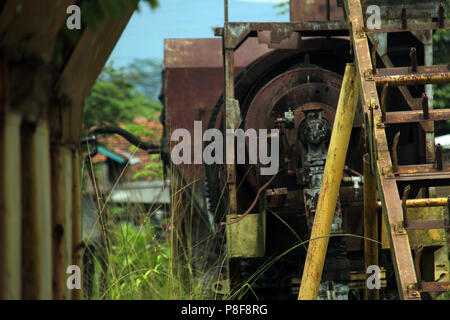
[{"x": 384, "y": 160}]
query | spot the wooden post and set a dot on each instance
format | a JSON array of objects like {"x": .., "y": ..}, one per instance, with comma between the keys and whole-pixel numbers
[
  {"x": 36, "y": 223},
  {"x": 10, "y": 207},
  {"x": 61, "y": 193},
  {"x": 77, "y": 245}
]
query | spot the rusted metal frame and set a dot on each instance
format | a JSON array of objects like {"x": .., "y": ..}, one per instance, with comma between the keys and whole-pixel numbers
[
  {"x": 10, "y": 204},
  {"x": 236, "y": 33},
  {"x": 420, "y": 169},
  {"x": 402, "y": 75},
  {"x": 231, "y": 40},
  {"x": 370, "y": 224},
  {"x": 424, "y": 286},
  {"x": 392, "y": 211},
  {"x": 431, "y": 177},
  {"x": 410, "y": 27},
  {"x": 434, "y": 286},
  {"x": 417, "y": 116},
  {"x": 427, "y": 224},
  {"x": 412, "y": 102}
]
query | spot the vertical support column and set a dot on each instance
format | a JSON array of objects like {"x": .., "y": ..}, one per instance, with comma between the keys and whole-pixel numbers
[
  {"x": 329, "y": 191},
  {"x": 61, "y": 194},
  {"x": 77, "y": 245},
  {"x": 370, "y": 223},
  {"x": 10, "y": 207},
  {"x": 232, "y": 115},
  {"x": 37, "y": 247}
]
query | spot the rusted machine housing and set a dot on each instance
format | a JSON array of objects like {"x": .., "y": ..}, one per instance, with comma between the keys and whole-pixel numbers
[{"x": 269, "y": 61}]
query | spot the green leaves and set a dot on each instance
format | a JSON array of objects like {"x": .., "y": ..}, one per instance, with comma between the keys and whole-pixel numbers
[
  {"x": 115, "y": 99},
  {"x": 441, "y": 41}
]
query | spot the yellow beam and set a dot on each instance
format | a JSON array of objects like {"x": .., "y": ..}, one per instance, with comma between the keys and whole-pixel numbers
[
  {"x": 329, "y": 190},
  {"x": 370, "y": 224}
]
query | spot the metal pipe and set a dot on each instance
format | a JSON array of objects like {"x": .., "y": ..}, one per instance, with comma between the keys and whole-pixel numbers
[
  {"x": 412, "y": 79},
  {"x": 370, "y": 224},
  {"x": 329, "y": 189},
  {"x": 431, "y": 202}
]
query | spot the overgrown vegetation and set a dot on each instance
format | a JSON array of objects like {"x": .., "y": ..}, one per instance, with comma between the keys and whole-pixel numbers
[{"x": 144, "y": 260}]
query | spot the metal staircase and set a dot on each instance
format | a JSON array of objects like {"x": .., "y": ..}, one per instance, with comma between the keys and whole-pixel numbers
[{"x": 399, "y": 185}]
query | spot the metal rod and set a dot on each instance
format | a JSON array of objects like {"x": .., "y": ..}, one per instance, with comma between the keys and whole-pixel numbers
[
  {"x": 374, "y": 55},
  {"x": 404, "y": 19},
  {"x": 412, "y": 79},
  {"x": 226, "y": 11},
  {"x": 439, "y": 164},
  {"x": 383, "y": 102},
  {"x": 394, "y": 152},
  {"x": 413, "y": 57},
  {"x": 425, "y": 107},
  {"x": 404, "y": 206},
  {"x": 417, "y": 258},
  {"x": 430, "y": 202},
  {"x": 370, "y": 224},
  {"x": 334, "y": 166}
]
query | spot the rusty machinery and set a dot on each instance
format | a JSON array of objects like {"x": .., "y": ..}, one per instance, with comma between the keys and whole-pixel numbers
[{"x": 289, "y": 76}]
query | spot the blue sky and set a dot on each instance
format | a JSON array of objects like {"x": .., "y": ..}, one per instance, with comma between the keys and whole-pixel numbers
[{"x": 147, "y": 29}]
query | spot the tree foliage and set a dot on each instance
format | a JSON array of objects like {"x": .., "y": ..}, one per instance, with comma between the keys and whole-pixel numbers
[
  {"x": 146, "y": 76},
  {"x": 114, "y": 98},
  {"x": 442, "y": 92}
]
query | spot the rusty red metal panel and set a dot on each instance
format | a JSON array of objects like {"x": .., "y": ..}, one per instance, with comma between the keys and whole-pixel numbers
[
  {"x": 193, "y": 83},
  {"x": 315, "y": 10}
]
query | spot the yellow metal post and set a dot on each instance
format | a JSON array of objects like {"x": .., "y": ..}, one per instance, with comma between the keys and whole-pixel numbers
[
  {"x": 334, "y": 166},
  {"x": 370, "y": 224}
]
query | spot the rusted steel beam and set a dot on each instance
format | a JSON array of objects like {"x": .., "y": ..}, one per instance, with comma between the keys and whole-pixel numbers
[
  {"x": 370, "y": 224},
  {"x": 434, "y": 286},
  {"x": 421, "y": 169},
  {"x": 232, "y": 120},
  {"x": 426, "y": 224},
  {"x": 410, "y": 27},
  {"x": 402, "y": 75},
  {"x": 237, "y": 32},
  {"x": 36, "y": 212},
  {"x": 379, "y": 153},
  {"x": 422, "y": 176},
  {"x": 10, "y": 204},
  {"x": 417, "y": 116},
  {"x": 329, "y": 190}
]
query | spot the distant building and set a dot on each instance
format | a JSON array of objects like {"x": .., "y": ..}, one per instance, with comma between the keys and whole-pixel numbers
[{"x": 129, "y": 179}]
